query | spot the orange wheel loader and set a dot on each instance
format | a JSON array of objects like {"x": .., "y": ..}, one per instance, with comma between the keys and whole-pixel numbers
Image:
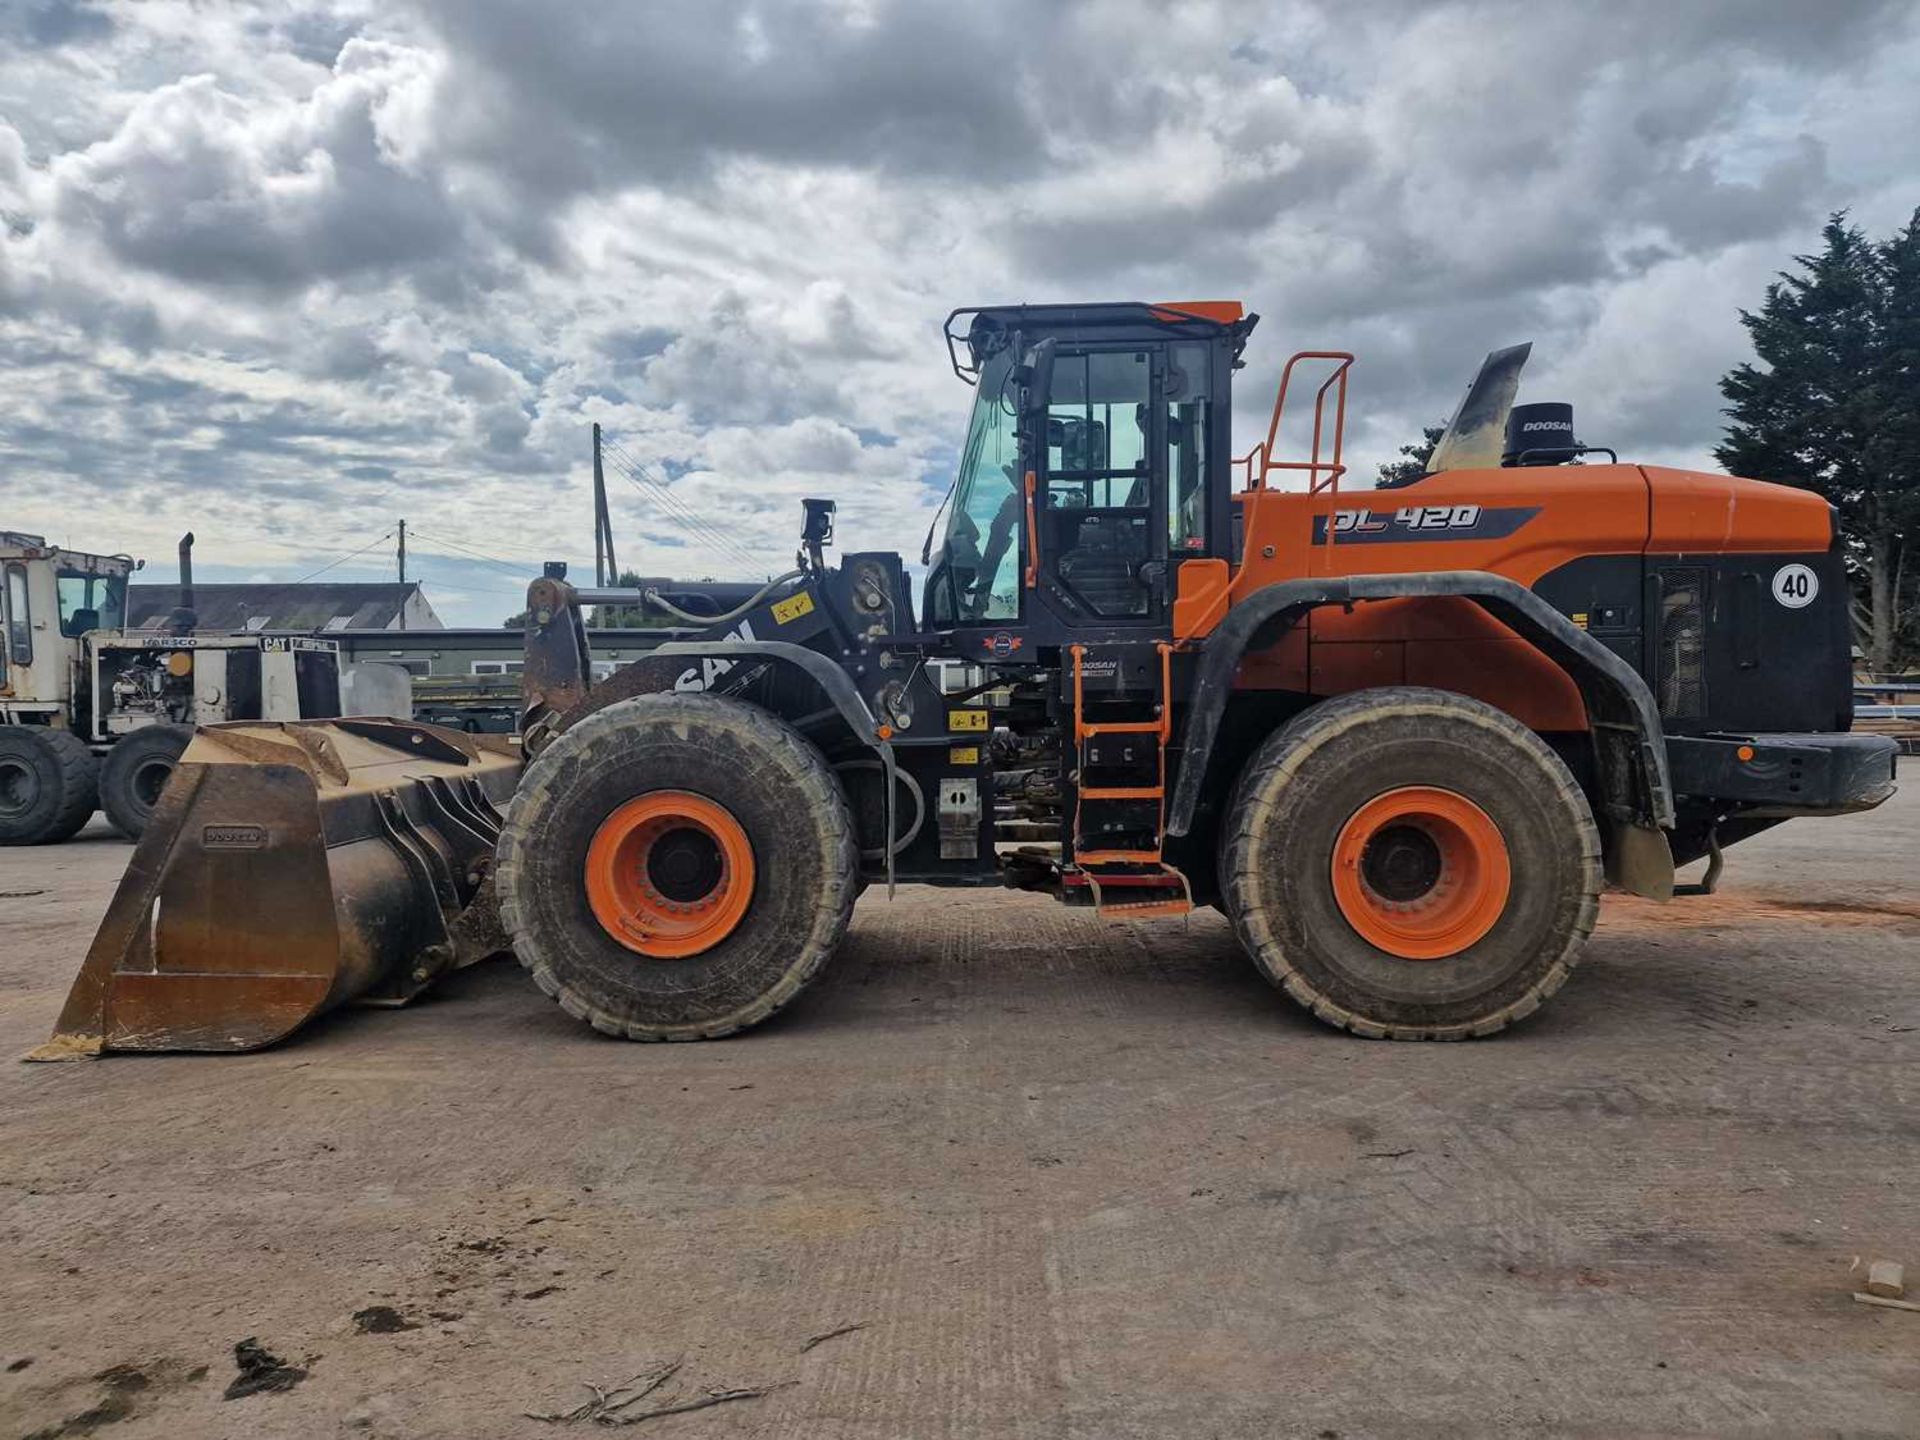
[{"x": 1402, "y": 737}]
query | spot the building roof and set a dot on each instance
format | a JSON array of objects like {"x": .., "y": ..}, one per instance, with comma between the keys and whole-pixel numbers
[{"x": 307, "y": 607}]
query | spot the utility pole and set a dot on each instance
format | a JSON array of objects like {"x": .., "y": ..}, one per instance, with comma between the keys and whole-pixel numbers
[
  {"x": 403, "y": 573},
  {"x": 605, "y": 570}
]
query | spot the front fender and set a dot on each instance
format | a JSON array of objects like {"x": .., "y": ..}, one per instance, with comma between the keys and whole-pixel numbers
[{"x": 709, "y": 665}]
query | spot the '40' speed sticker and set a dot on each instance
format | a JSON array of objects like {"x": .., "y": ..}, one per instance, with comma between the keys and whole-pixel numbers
[{"x": 1795, "y": 586}]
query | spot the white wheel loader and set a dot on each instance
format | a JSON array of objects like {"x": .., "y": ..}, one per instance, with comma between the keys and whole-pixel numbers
[{"x": 94, "y": 716}]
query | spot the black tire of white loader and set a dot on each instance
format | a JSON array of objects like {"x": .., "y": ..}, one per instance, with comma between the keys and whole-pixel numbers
[
  {"x": 51, "y": 781},
  {"x": 1306, "y": 780},
  {"x": 137, "y": 769},
  {"x": 778, "y": 787}
]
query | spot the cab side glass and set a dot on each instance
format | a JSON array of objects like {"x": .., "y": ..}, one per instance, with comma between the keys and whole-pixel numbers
[
  {"x": 1100, "y": 481},
  {"x": 1188, "y": 389},
  {"x": 19, "y": 619},
  {"x": 1096, "y": 430}
]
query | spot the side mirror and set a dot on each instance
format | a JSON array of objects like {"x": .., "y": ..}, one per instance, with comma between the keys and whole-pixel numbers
[{"x": 1036, "y": 375}]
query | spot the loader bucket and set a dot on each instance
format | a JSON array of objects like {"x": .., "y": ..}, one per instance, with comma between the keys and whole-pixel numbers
[{"x": 288, "y": 869}]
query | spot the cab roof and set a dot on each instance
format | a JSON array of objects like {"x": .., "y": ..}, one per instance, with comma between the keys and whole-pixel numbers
[{"x": 990, "y": 327}]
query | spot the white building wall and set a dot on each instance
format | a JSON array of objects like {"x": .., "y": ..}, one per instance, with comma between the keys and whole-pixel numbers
[{"x": 419, "y": 614}]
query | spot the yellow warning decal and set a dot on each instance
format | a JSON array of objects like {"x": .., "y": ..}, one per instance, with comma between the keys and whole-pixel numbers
[
  {"x": 973, "y": 719},
  {"x": 1579, "y": 619},
  {"x": 964, "y": 755},
  {"x": 792, "y": 608}
]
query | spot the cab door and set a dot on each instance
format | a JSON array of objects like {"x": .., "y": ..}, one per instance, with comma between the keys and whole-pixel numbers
[{"x": 1101, "y": 501}]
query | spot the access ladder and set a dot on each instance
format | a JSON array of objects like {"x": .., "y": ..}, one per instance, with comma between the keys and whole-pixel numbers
[{"x": 1135, "y": 870}]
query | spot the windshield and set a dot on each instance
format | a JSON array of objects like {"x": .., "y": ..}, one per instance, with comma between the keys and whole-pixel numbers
[
  {"x": 979, "y": 567},
  {"x": 91, "y": 602}
]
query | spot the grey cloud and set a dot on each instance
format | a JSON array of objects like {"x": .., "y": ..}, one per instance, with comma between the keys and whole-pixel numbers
[
  {"x": 612, "y": 95},
  {"x": 195, "y": 187},
  {"x": 343, "y": 262},
  {"x": 728, "y": 369},
  {"x": 56, "y": 22}
]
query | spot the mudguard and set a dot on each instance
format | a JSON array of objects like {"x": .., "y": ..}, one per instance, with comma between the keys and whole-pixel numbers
[{"x": 1629, "y": 745}]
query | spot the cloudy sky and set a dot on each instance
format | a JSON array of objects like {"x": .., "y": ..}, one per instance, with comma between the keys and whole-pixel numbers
[{"x": 283, "y": 273}]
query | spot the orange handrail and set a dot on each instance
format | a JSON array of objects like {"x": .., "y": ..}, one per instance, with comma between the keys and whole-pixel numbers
[
  {"x": 1033, "y": 537},
  {"x": 1259, "y": 461}
]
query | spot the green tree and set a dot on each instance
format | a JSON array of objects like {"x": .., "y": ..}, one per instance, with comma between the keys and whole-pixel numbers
[
  {"x": 1413, "y": 462},
  {"x": 1833, "y": 405}
]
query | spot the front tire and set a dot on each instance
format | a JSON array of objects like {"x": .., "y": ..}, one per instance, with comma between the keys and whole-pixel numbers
[
  {"x": 677, "y": 867},
  {"x": 1411, "y": 864},
  {"x": 137, "y": 770}
]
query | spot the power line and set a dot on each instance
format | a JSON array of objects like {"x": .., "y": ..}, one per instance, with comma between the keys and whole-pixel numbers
[
  {"x": 718, "y": 549},
  {"x": 696, "y": 527},
  {"x": 350, "y": 555},
  {"x": 504, "y": 554},
  {"x": 516, "y": 570},
  {"x": 273, "y": 591},
  {"x": 639, "y": 474},
  {"x": 725, "y": 546},
  {"x": 467, "y": 585}
]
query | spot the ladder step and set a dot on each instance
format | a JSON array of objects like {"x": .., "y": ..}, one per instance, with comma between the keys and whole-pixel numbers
[
  {"x": 1146, "y": 909},
  {"x": 1160, "y": 903},
  {"x": 1159, "y": 728}
]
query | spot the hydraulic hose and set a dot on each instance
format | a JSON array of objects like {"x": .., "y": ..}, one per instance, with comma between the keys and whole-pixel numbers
[{"x": 660, "y": 602}]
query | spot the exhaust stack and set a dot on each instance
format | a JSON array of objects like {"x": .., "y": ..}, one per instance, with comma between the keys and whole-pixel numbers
[{"x": 185, "y": 619}]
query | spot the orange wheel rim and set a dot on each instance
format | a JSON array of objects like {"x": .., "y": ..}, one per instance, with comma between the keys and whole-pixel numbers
[
  {"x": 669, "y": 874},
  {"x": 1421, "y": 872}
]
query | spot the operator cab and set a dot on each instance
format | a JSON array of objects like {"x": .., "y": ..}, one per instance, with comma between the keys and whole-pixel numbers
[
  {"x": 38, "y": 582},
  {"x": 1095, "y": 465}
]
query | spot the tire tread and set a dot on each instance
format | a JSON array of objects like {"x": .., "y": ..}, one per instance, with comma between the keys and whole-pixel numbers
[
  {"x": 78, "y": 776},
  {"x": 1283, "y": 755},
  {"x": 604, "y": 727}
]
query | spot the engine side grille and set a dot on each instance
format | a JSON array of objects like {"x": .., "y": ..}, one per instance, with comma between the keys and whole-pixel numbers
[{"x": 1682, "y": 674}]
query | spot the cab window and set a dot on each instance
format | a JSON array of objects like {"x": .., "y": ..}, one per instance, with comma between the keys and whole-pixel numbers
[
  {"x": 1188, "y": 390},
  {"x": 19, "y": 619},
  {"x": 1100, "y": 479},
  {"x": 1096, "y": 430},
  {"x": 90, "y": 602},
  {"x": 986, "y": 530}
]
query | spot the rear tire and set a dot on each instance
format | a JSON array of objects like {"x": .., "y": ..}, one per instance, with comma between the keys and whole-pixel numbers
[
  {"x": 737, "y": 772},
  {"x": 136, "y": 771},
  {"x": 48, "y": 785},
  {"x": 1479, "y": 840}
]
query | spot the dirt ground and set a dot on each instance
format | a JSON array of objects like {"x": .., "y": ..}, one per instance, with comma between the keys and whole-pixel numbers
[{"x": 1044, "y": 1175}]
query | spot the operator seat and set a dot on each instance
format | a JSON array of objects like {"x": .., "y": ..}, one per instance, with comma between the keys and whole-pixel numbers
[{"x": 1102, "y": 565}]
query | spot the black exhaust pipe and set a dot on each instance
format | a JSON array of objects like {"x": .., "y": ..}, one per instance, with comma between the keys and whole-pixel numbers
[{"x": 184, "y": 619}]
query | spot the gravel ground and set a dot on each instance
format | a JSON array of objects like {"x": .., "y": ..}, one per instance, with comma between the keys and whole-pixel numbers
[{"x": 1044, "y": 1175}]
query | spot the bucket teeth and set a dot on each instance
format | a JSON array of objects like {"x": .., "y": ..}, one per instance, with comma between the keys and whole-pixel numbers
[{"x": 288, "y": 869}]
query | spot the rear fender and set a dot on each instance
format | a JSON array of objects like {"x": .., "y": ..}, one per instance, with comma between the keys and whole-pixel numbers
[{"x": 1630, "y": 758}]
